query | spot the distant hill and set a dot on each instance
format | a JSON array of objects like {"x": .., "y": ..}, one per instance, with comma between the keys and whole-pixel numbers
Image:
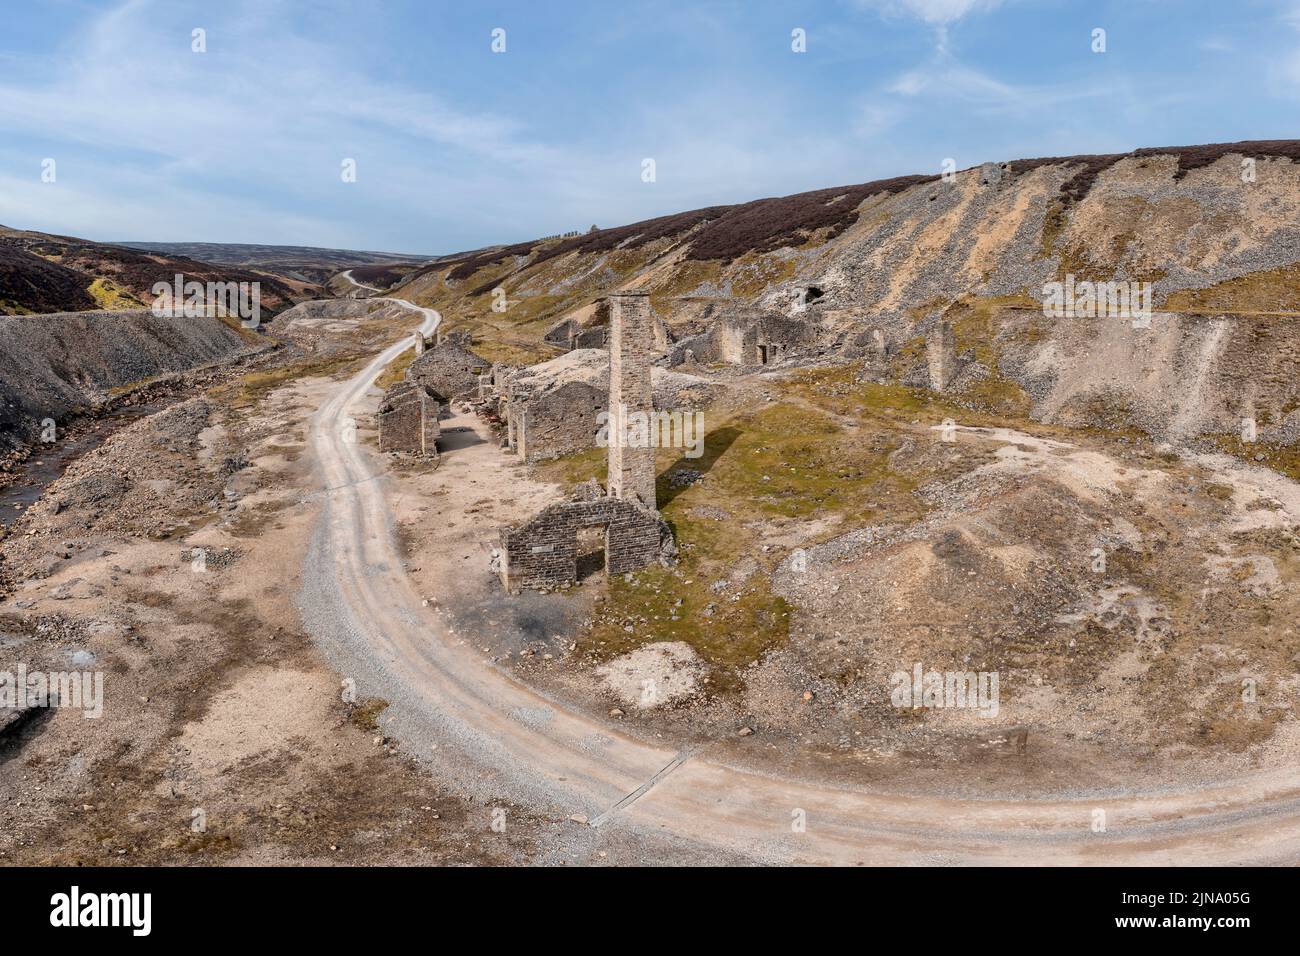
[
  {"x": 301, "y": 263},
  {"x": 1213, "y": 231},
  {"x": 1189, "y": 218},
  {"x": 41, "y": 272}
]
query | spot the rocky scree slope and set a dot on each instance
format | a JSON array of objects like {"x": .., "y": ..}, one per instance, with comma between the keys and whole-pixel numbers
[{"x": 1215, "y": 229}]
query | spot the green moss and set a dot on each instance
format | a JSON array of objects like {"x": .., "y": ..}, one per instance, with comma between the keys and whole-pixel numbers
[
  {"x": 108, "y": 295},
  {"x": 365, "y": 713},
  {"x": 1284, "y": 459},
  {"x": 252, "y": 388},
  {"x": 787, "y": 460}
]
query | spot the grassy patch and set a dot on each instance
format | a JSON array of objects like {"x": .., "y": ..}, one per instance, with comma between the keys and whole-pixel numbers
[
  {"x": 365, "y": 713},
  {"x": 784, "y": 461},
  {"x": 677, "y": 605},
  {"x": 500, "y": 352},
  {"x": 752, "y": 276},
  {"x": 1277, "y": 290},
  {"x": 1284, "y": 459},
  {"x": 396, "y": 370},
  {"x": 250, "y": 389},
  {"x": 107, "y": 295}
]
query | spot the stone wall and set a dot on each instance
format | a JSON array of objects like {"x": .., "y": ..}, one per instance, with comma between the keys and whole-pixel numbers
[
  {"x": 941, "y": 355},
  {"x": 558, "y": 422},
  {"x": 561, "y": 334},
  {"x": 631, "y": 343},
  {"x": 593, "y": 332},
  {"x": 408, "y": 420},
  {"x": 745, "y": 339},
  {"x": 543, "y": 552},
  {"x": 449, "y": 369}
]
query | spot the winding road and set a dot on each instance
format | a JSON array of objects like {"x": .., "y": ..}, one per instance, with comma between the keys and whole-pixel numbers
[
  {"x": 347, "y": 274},
  {"x": 361, "y": 606}
]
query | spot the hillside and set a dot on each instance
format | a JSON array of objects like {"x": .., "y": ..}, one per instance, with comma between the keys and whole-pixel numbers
[
  {"x": 40, "y": 273},
  {"x": 301, "y": 263},
  {"x": 898, "y": 254},
  {"x": 53, "y": 366},
  {"x": 909, "y": 462}
]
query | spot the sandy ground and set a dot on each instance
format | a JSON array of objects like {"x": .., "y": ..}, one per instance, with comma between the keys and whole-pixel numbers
[
  {"x": 460, "y": 709},
  {"x": 225, "y": 735},
  {"x": 262, "y": 708}
]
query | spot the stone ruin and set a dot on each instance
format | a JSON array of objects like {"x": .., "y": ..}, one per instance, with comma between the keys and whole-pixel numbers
[
  {"x": 741, "y": 338},
  {"x": 558, "y": 422},
  {"x": 409, "y": 412},
  {"x": 588, "y": 328},
  {"x": 408, "y": 420},
  {"x": 631, "y": 344},
  {"x": 543, "y": 552},
  {"x": 449, "y": 368},
  {"x": 876, "y": 349},
  {"x": 941, "y": 355},
  {"x": 462, "y": 337},
  {"x": 569, "y": 334}
]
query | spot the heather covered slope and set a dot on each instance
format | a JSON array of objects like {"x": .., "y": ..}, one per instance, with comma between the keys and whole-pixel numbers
[
  {"x": 1215, "y": 229},
  {"x": 296, "y": 264},
  {"x": 1182, "y": 216},
  {"x": 40, "y": 273}
]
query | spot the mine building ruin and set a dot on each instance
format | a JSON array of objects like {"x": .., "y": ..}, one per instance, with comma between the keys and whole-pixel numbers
[
  {"x": 408, "y": 420},
  {"x": 543, "y": 552},
  {"x": 744, "y": 339},
  {"x": 449, "y": 368}
]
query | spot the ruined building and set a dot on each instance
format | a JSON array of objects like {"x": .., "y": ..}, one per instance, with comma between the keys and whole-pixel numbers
[
  {"x": 588, "y": 328},
  {"x": 745, "y": 339},
  {"x": 553, "y": 408},
  {"x": 631, "y": 470},
  {"x": 408, "y": 420},
  {"x": 559, "y": 421},
  {"x": 449, "y": 369},
  {"x": 543, "y": 552},
  {"x": 941, "y": 355}
]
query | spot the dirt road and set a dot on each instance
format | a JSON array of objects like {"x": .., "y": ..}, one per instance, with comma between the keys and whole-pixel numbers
[
  {"x": 361, "y": 285},
  {"x": 450, "y": 704}
]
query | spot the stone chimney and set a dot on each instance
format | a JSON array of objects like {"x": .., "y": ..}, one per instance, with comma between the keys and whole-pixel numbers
[
  {"x": 631, "y": 350},
  {"x": 941, "y": 353}
]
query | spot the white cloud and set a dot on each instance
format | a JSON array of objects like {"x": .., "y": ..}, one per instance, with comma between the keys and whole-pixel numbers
[
  {"x": 938, "y": 12},
  {"x": 244, "y": 143},
  {"x": 155, "y": 144}
]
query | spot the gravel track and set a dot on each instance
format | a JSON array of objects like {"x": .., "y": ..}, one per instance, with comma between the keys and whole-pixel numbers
[{"x": 453, "y": 708}]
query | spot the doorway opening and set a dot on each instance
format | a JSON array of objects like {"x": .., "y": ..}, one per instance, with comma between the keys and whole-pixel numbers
[{"x": 591, "y": 552}]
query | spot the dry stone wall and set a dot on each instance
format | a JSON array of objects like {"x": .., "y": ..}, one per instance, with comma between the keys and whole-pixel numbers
[
  {"x": 408, "y": 420},
  {"x": 543, "y": 553}
]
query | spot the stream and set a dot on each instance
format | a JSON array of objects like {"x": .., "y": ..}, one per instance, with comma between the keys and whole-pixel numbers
[{"x": 48, "y": 462}]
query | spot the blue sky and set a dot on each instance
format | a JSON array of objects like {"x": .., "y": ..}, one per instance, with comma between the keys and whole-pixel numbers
[{"x": 458, "y": 147}]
